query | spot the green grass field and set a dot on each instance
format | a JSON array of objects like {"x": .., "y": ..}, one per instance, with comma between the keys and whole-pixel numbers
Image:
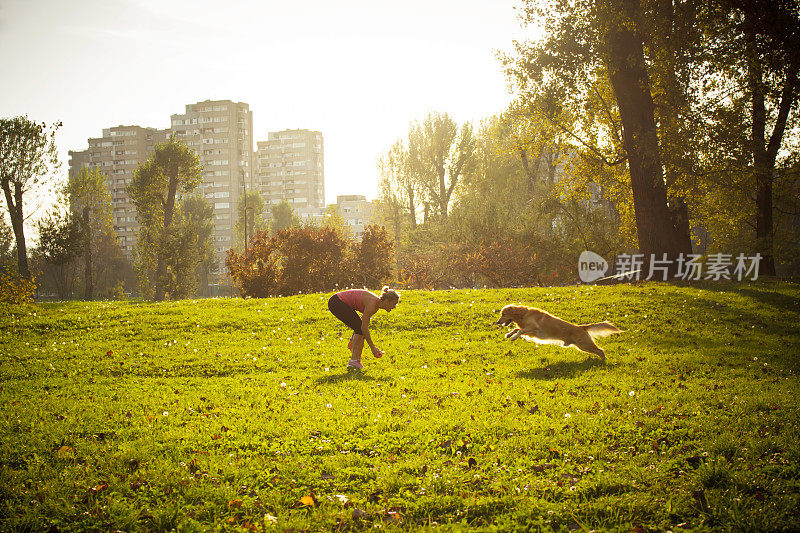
[{"x": 239, "y": 415}]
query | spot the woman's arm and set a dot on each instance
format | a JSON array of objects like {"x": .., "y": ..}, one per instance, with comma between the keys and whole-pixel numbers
[{"x": 370, "y": 308}]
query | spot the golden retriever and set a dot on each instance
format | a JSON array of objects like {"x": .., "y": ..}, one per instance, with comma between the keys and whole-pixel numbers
[{"x": 543, "y": 327}]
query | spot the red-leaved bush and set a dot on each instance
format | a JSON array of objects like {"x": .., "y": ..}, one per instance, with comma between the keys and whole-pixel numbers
[
  {"x": 310, "y": 259},
  {"x": 256, "y": 272},
  {"x": 371, "y": 259}
]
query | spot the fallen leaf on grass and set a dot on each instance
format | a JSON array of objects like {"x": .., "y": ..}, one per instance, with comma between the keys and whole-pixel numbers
[
  {"x": 98, "y": 488},
  {"x": 65, "y": 451},
  {"x": 235, "y": 504},
  {"x": 308, "y": 500}
]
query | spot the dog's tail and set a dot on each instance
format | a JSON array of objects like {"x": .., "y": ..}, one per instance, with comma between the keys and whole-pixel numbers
[{"x": 601, "y": 329}]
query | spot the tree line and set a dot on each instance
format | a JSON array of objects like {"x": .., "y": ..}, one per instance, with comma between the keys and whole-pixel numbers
[
  {"x": 77, "y": 243},
  {"x": 651, "y": 126}
]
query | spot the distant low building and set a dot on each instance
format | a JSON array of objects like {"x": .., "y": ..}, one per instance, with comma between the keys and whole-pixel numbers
[{"x": 356, "y": 212}]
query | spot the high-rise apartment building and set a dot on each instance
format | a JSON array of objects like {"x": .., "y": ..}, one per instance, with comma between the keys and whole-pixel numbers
[
  {"x": 291, "y": 167},
  {"x": 117, "y": 154},
  {"x": 221, "y": 133}
]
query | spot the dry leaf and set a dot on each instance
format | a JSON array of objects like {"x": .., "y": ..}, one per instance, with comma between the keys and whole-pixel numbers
[{"x": 235, "y": 504}]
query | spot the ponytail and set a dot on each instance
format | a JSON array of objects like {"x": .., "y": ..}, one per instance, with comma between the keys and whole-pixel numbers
[{"x": 389, "y": 294}]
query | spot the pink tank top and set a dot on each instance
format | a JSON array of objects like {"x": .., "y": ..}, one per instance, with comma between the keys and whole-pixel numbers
[{"x": 353, "y": 298}]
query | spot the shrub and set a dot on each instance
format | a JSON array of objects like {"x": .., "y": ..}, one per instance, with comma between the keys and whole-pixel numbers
[
  {"x": 255, "y": 273},
  {"x": 370, "y": 260},
  {"x": 15, "y": 289},
  {"x": 312, "y": 258},
  {"x": 309, "y": 259},
  {"x": 418, "y": 272},
  {"x": 505, "y": 263}
]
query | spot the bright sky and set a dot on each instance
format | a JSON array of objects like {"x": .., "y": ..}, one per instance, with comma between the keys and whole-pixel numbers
[{"x": 359, "y": 71}]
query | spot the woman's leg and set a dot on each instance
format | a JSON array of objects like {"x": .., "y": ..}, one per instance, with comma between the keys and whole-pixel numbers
[
  {"x": 350, "y": 318},
  {"x": 358, "y": 346}
]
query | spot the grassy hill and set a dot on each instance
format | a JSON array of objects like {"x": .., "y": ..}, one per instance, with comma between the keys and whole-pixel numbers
[{"x": 239, "y": 414}]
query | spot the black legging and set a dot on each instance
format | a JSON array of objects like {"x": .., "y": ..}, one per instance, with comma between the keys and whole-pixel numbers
[{"x": 345, "y": 313}]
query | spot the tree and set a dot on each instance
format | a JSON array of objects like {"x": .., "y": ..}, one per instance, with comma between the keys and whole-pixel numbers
[
  {"x": 293, "y": 260},
  {"x": 113, "y": 272},
  {"x": 399, "y": 189},
  {"x": 6, "y": 241},
  {"x": 27, "y": 150},
  {"x": 283, "y": 216},
  {"x": 592, "y": 39},
  {"x": 627, "y": 70},
  {"x": 61, "y": 242},
  {"x": 198, "y": 220},
  {"x": 190, "y": 245},
  {"x": 251, "y": 205},
  {"x": 172, "y": 168},
  {"x": 761, "y": 47},
  {"x": 439, "y": 156},
  {"x": 675, "y": 44},
  {"x": 332, "y": 218},
  {"x": 90, "y": 201}
]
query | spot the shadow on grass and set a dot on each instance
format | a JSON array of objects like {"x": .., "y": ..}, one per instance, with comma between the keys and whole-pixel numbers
[
  {"x": 772, "y": 298},
  {"x": 562, "y": 369},
  {"x": 348, "y": 376}
]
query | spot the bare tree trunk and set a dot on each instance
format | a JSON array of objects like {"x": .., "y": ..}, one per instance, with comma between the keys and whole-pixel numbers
[
  {"x": 530, "y": 172},
  {"x": 14, "y": 203},
  {"x": 412, "y": 210},
  {"x": 89, "y": 280},
  {"x": 670, "y": 74},
  {"x": 443, "y": 198},
  {"x": 679, "y": 212},
  {"x": 161, "y": 265},
  {"x": 765, "y": 152},
  {"x": 629, "y": 78}
]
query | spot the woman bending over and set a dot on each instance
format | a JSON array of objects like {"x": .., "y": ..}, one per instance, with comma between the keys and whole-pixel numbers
[{"x": 344, "y": 305}]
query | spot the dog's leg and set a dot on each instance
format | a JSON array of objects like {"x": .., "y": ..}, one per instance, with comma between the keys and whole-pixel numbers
[
  {"x": 586, "y": 344},
  {"x": 515, "y": 334},
  {"x": 512, "y": 332}
]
